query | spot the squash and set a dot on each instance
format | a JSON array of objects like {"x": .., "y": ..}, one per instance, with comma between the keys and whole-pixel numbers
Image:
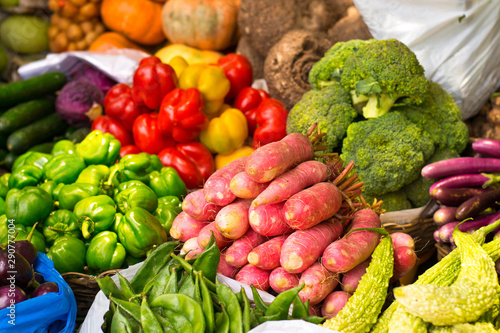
[
  {"x": 139, "y": 20},
  {"x": 113, "y": 40},
  {"x": 205, "y": 24}
]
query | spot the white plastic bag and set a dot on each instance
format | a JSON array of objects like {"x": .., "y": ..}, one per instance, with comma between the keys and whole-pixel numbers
[{"x": 456, "y": 41}]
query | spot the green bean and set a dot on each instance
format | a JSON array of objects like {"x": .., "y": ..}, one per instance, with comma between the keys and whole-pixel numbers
[
  {"x": 314, "y": 319},
  {"x": 281, "y": 304},
  {"x": 109, "y": 287},
  {"x": 273, "y": 317},
  {"x": 180, "y": 323},
  {"x": 152, "y": 265},
  {"x": 131, "y": 308},
  {"x": 197, "y": 290},
  {"x": 259, "y": 303},
  {"x": 187, "y": 286},
  {"x": 156, "y": 286},
  {"x": 222, "y": 321},
  {"x": 166, "y": 325},
  {"x": 206, "y": 303},
  {"x": 255, "y": 314},
  {"x": 299, "y": 310},
  {"x": 127, "y": 289},
  {"x": 148, "y": 319},
  {"x": 188, "y": 268},
  {"x": 185, "y": 306},
  {"x": 230, "y": 301},
  {"x": 208, "y": 260},
  {"x": 120, "y": 323},
  {"x": 171, "y": 287},
  {"x": 245, "y": 310}
]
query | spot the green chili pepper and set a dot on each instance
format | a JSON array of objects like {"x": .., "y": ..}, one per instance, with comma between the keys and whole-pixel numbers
[
  {"x": 59, "y": 223},
  {"x": 154, "y": 262},
  {"x": 139, "y": 232},
  {"x": 105, "y": 252},
  {"x": 148, "y": 319},
  {"x": 229, "y": 300},
  {"x": 63, "y": 147},
  {"x": 136, "y": 196},
  {"x": 185, "y": 306},
  {"x": 168, "y": 209},
  {"x": 29, "y": 205},
  {"x": 99, "y": 148},
  {"x": 63, "y": 168},
  {"x": 68, "y": 254},
  {"x": 208, "y": 260},
  {"x": 95, "y": 214},
  {"x": 167, "y": 182},
  {"x": 222, "y": 321},
  {"x": 109, "y": 287}
]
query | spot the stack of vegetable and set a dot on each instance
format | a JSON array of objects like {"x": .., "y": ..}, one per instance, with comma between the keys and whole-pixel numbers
[
  {"x": 372, "y": 99},
  {"x": 466, "y": 189},
  {"x": 95, "y": 211},
  {"x": 279, "y": 216},
  {"x": 169, "y": 292}
]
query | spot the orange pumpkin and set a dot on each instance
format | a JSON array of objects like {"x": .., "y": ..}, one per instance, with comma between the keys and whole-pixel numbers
[
  {"x": 138, "y": 20},
  {"x": 113, "y": 40},
  {"x": 204, "y": 24}
]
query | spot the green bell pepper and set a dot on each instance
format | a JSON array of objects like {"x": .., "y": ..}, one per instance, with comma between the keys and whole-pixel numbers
[
  {"x": 134, "y": 167},
  {"x": 70, "y": 194},
  {"x": 63, "y": 168},
  {"x": 2, "y": 206},
  {"x": 49, "y": 186},
  {"x": 63, "y": 147},
  {"x": 93, "y": 174},
  {"x": 23, "y": 232},
  {"x": 25, "y": 175},
  {"x": 136, "y": 194},
  {"x": 168, "y": 208},
  {"x": 99, "y": 148},
  {"x": 61, "y": 222},
  {"x": 95, "y": 214},
  {"x": 167, "y": 182},
  {"x": 31, "y": 158},
  {"x": 117, "y": 221},
  {"x": 4, "y": 184},
  {"x": 68, "y": 254},
  {"x": 140, "y": 231},
  {"x": 29, "y": 205},
  {"x": 105, "y": 252}
]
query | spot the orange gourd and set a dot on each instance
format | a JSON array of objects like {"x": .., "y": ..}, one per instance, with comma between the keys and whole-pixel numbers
[
  {"x": 204, "y": 24},
  {"x": 112, "y": 40},
  {"x": 138, "y": 20}
]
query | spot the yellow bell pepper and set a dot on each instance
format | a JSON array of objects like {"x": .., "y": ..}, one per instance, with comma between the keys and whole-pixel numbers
[
  {"x": 211, "y": 81},
  {"x": 179, "y": 64},
  {"x": 222, "y": 159},
  {"x": 191, "y": 54},
  {"x": 226, "y": 133}
]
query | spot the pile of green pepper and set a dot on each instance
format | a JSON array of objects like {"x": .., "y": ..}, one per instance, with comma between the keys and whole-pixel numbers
[
  {"x": 171, "y": 294},
  {"x": 94, "y": 210}
]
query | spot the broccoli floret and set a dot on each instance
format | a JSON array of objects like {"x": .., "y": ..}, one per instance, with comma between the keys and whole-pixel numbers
[
  {"x": 328, "y": 69},
  {"x": 384, "y": 71},
  {"x": 330, "y": 108},
  {"x": 392, "y": 201},
  {"x": 441, "y": 117},
  {"x": 417, "y": 192},
  {"x": 388, "y": 152}
]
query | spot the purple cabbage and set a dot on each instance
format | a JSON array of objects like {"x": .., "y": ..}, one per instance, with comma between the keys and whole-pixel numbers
[
  {"x": 79, "y": 103},
  {"x": 94, "y": 76}
]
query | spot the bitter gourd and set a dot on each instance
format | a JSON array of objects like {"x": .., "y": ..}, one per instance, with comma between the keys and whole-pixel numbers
[
  {"x": 473, "y": 292},
  {"x": 443, "y": 273},
  {"x": 464, "y": 328},
  {"x": 404, "y": 322},
  {"x": 361, "y": 311}
]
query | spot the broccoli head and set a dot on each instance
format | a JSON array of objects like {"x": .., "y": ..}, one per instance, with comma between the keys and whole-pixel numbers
[
  {"x": 417, "y": 191},
  {"x": 441, "y": 117},
  {"x": 328, "y": 69},
  {"x": 381, "y": 73},
  {"x": 330, "y": 108},
  {"x": 392, "y": 201},
  {"x": 388, "y": 152}
]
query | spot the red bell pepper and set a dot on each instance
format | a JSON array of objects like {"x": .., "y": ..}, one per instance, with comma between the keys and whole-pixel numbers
[
  {"x": 193, "y": 162},
  {"x": 247, "y": 101},
  {"x": 108, "y": 124},
  {"x": 238, "y": 70},
  {"x": 271, "y": 122},
  {"x": 129, "y": 149},
  {"x": 120, "y": 105},
  {"x": 152, "y": 81},
  {"x": 181, "y": 115},
  {"x": 147, "y": 135}
]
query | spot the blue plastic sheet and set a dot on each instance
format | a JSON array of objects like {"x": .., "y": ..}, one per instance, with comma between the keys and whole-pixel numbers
[{"x": 49, "y": 313}]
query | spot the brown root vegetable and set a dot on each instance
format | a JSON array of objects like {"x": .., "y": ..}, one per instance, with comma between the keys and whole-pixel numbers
[
  {"x": 287, "y": 65},
  {"x": 351, "y": 26},
  {"x": 244, "y": 48}
]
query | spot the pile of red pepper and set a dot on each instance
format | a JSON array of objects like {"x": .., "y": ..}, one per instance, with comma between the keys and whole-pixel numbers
[{"x": 189, "y": 113}]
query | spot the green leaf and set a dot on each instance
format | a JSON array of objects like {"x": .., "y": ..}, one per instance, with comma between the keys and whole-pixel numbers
[{"x": 368, "y": 87}]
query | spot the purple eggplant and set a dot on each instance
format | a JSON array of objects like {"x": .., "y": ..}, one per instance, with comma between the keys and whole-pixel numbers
[
  {"x": 444, "y": 214},
  {"x": 477, "y": 204},
  {"x": 26, "y": 248},
  {"x": 14, "y": 267},
  {"x": 487, "y": 146},
  {"x": 45, "y": 288},
  {"x": 455, "y": 196},
  {"x": 444, "y": 233},
  {"x": 11, "y": 295},
  {"x": 461, "y": 165},
  {"x": 466, "y": 180}
]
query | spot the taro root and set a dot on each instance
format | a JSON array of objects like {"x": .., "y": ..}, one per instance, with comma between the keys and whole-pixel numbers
[
  {"x": 351, "y": 26},
  {"x": 253, "y": 56},
  {"x": 286, "y": 68}
]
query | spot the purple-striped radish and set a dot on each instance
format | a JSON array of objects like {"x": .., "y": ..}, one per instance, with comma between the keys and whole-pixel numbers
[
  {"x": 461, "y": 165},
  {"x": 444, "y": 214},
  {"x": 466, "y": 180},
  {"x": 333, "y": 303},
  {"x": 350, "y": 280},
  {"x": 280, "y": 280},
  {"x": 475, "y": 205},
  {"x": 195, "y": 205},
  {"x": 455, "y": 196},
  {"x": 217, "y": 187},
  {"x": 487, "y": 146}
]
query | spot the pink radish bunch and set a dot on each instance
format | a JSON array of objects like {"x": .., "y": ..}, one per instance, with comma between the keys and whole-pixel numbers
[{"x": 280, "y": 218}]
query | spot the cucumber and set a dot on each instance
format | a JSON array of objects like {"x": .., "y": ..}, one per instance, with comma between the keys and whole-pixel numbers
[
  {"x": 17, "y": 92},
  {"x": 35, "y": 133},
  {"x": 25, "y": 113},
  {"x": 45, "y": 147},
  {"x": 8, "y": 160}
]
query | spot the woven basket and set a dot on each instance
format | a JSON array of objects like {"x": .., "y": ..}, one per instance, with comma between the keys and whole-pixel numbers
[
  {"x": 417, "y": 222},
  {"x": 442, "y": 250}
]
